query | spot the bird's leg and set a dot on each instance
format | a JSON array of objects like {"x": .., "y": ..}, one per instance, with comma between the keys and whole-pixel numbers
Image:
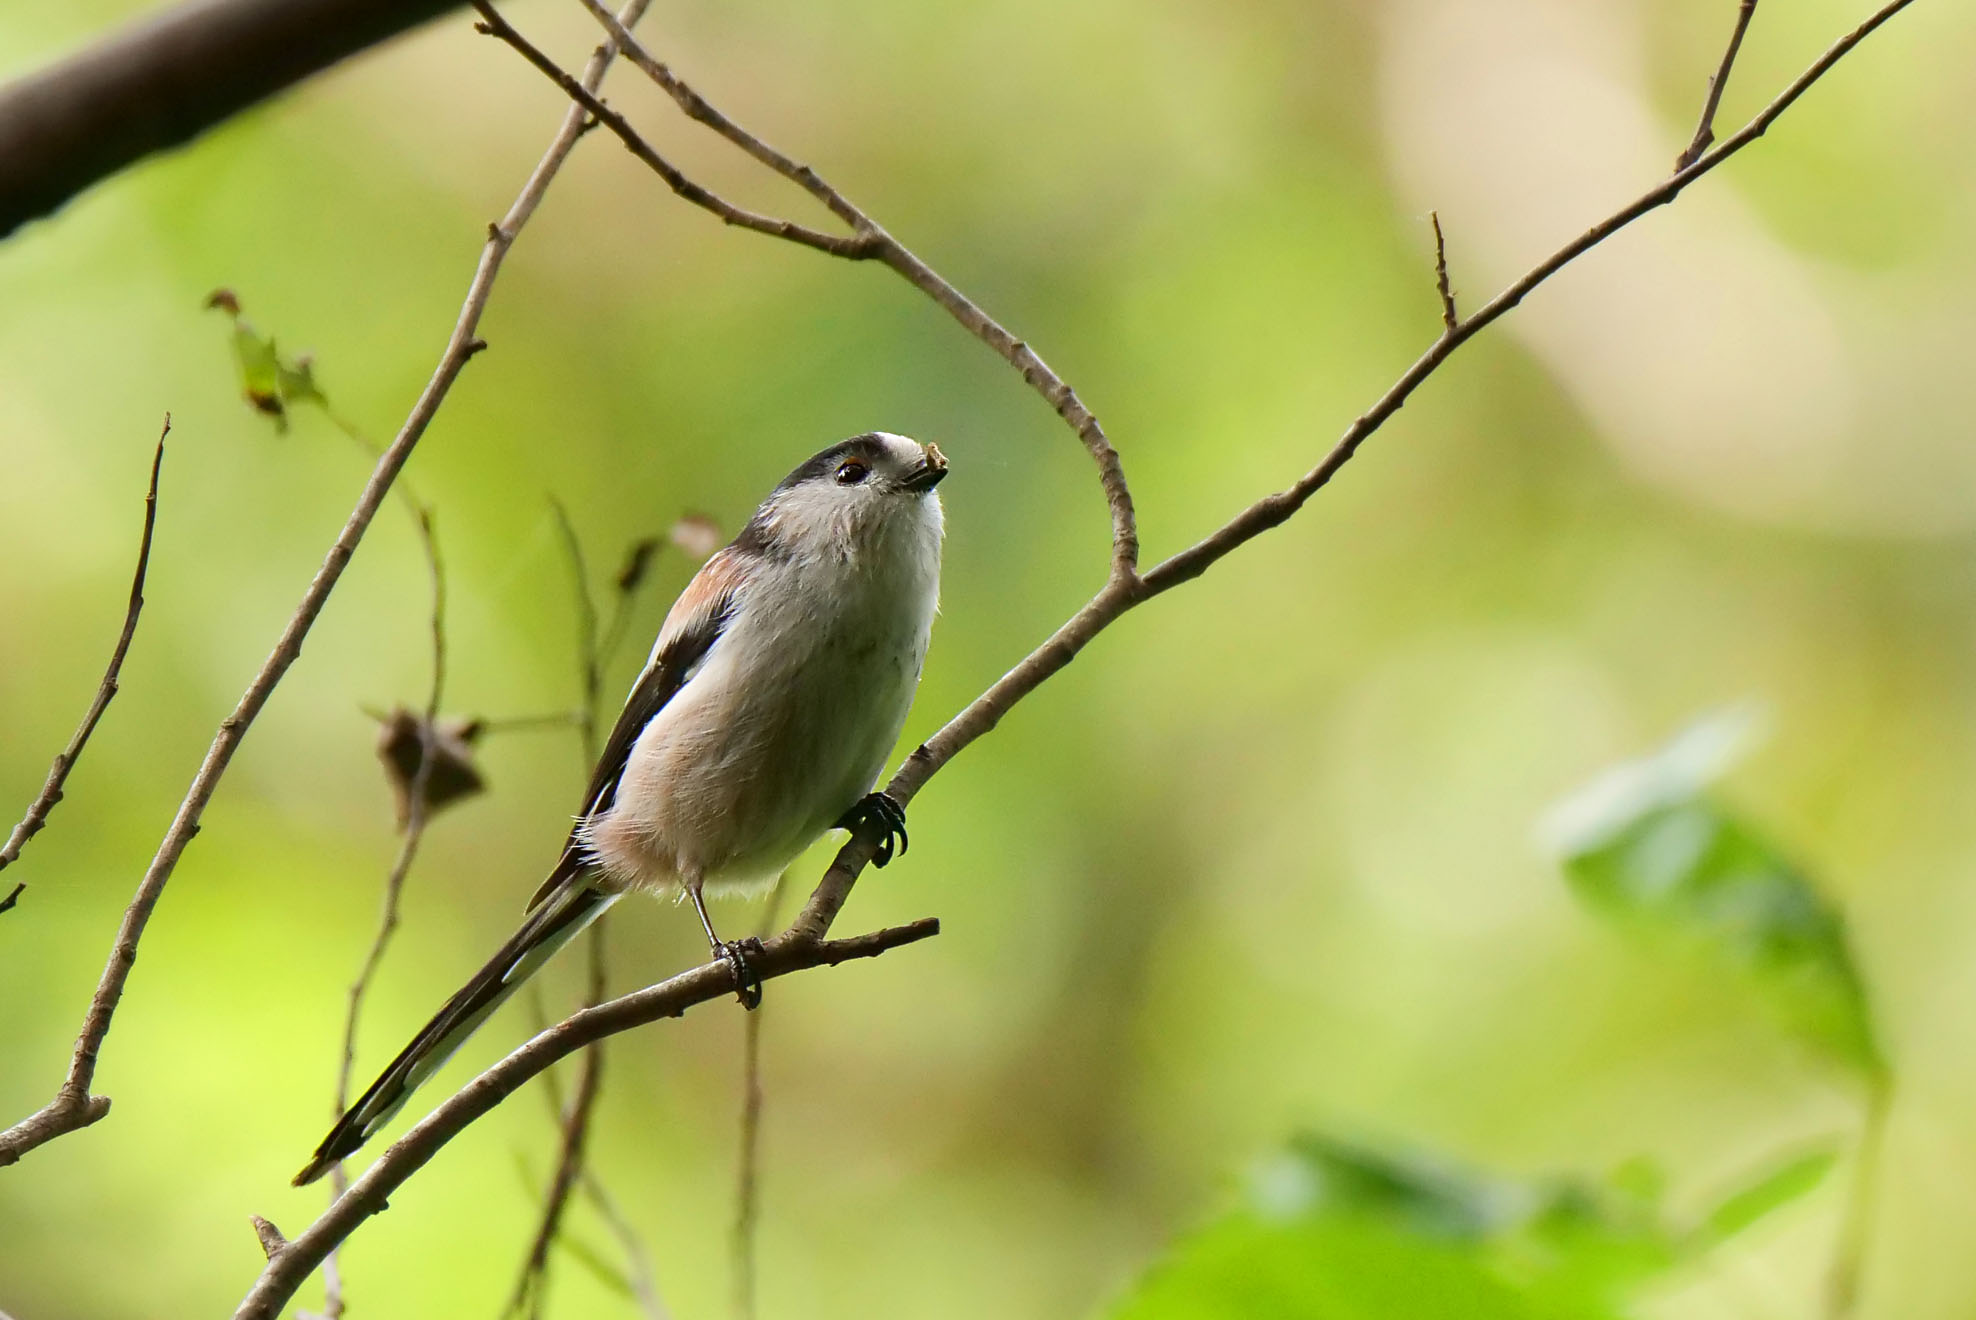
[
  {"x": 884, "y": 810},
  {"x": 747, "y": 986}
]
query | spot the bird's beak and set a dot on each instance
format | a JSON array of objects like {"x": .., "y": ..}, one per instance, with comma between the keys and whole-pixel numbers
[{"x": 929, "y": 473}]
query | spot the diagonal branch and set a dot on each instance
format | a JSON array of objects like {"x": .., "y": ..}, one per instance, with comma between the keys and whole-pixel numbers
[
  {"x": 869, "y": 241},
  {"x": 496, "y": 26},
  {"x": 1273, "y": 510},
  {"x": 58, "y": 774},
  {"x": 784, "y": 954}
]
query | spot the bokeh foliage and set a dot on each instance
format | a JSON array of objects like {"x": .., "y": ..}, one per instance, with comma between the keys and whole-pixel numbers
[{"x": 1261, "y": 861}]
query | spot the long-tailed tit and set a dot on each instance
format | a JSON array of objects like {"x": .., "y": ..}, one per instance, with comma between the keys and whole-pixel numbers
[{"x": 777, "y": 688}]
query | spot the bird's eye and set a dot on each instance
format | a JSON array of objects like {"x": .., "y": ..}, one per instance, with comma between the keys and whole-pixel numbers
[{"x": 852, "y": 471}]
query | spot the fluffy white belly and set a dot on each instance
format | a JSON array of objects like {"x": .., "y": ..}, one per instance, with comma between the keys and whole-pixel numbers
[{"x": 785, "y": 726}]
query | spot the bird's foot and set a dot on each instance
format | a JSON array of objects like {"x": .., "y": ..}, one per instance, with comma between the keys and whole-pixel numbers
[
  {"x": 883, "y": 810},
  {"x": 735, "y": 953}
]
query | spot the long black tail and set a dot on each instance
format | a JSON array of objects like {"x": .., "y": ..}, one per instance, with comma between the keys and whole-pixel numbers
[{"x": 555, "y": 921}]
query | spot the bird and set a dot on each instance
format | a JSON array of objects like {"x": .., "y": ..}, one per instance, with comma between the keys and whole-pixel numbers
[{"x": 777, "y": 687}]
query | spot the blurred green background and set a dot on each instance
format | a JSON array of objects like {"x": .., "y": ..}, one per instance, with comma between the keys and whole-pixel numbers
[{"x": 1264, "y": 861}]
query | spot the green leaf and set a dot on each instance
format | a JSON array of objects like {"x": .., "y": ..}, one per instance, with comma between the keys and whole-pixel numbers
[
  {"x": 1763, "y": 1197},
  {"x": 297, "y": 381},
  {"x": 1248, "y": 1267},
  {"x": 1339, "y": 1231},
  {"x": 1324, "y": 1175},
  {"x": 260, "y": 372},
  {"x": 269, "y": 382},
  {"x": 1647, "y": 845}
]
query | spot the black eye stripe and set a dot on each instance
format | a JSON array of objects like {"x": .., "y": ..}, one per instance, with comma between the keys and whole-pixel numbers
[{"x": 868, "y": 449}]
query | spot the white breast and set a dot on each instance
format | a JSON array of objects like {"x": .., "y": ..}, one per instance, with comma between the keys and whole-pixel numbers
[{"x": 787, "y": 723}]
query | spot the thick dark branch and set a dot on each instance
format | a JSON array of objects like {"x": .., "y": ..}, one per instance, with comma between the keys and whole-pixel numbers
[
  {"x": 164, "y": 79},
  {"x": 1705, "y": 130},
  {"x": 58, "y": 774},
  {"x": 780, "y": 956}
]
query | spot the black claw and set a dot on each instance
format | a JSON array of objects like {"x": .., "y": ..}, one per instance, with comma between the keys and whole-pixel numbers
[
  {"x": 884, "y": 811},
  {"x": 747, "y": 986}
]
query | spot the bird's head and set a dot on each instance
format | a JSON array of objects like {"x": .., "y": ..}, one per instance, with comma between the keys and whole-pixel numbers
[{"x": 847, "y": 499}]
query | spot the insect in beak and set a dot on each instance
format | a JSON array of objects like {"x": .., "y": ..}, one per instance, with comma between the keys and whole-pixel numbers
[{"x": 929, "y": 473}]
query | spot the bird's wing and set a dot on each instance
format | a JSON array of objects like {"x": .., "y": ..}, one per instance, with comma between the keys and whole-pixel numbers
[{"x": 693, "y": 625}]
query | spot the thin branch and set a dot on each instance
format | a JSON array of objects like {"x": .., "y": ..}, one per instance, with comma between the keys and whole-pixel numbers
[
  {"x": 747, "y": 1164},
  {"x": 1450, "y": 319},
  {"x": 631, "y": 576},
  {"x": 644, "y": 1284},
  {"x": 594, "y": 644},
  {"x": 271, "y": 1240},
  {"x": 1705, "y": 130},
  {"x": 58, "y": 774},
  {"x": 496, "y": 26},
  {"x": 560, "y": 719},
  {"x": 532, "y": 1285},
  {"x": 871, "y": 241},
  {"x": 781, "y": 956},
  {"x": 1273, "y": 510},
  {"x": 1118, "y": 596},
  {"x": 73, "y": 1106},
  {"x": 417, "y": 813},
  {"x": 587, "y": 664}
]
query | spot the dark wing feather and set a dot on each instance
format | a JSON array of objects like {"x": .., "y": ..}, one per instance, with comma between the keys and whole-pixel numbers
[{"x": 691, "y": 629}]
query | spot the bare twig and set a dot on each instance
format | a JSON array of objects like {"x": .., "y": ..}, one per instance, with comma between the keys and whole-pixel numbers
[
  {"x": 1705, "y": 130},
  {"x": 272, "y": 1242},
  {"x": 58, "y": 774},
  {"x": 532, "y": 1285},
  {"x": 416, "y": 816},
  {"x": 644, "y": 1284},
  {"x": 595, "y": 643},
  {"x": 871, "y": 241},
  {"x": 747, "y": 1163},
  {"x": 73, "y": 1106},
  {"x": 588, "y": 666},
  {"x": 1450, "y": 320},
  {"x": 631, "y": 576},
  {"x": 784, "y": 954},
  {"x": 559, "y": 719},
  {"x": 496, "y": 26}
]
